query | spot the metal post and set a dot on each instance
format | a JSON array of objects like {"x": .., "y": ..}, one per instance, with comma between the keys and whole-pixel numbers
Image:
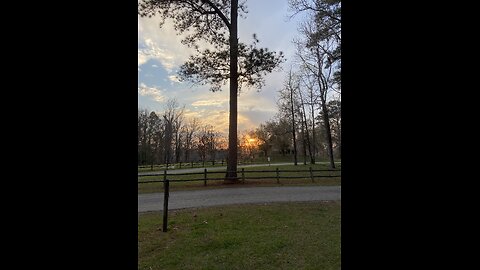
[
  {"x": 165, "y": 204},
  {"x": 311, "y": 174},
  {"x": 243, "y": 175}
]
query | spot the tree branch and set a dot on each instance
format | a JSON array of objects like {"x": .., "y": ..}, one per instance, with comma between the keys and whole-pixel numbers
[{"x": 219, "y": 13}]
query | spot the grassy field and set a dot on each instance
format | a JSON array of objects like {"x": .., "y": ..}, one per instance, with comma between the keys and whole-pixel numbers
[
  {"x": 218, "y": 163},
  {"x": 262, "y": 236},
  {"x": 250, "y": 173},
  {"x": 176, "y": 166}
]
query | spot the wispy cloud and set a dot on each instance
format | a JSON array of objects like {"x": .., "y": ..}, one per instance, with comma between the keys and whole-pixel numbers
[
  {"x": 218, "y": 118},
  {"x": 153, "y": 92},
  {"x": 216, "y": 103},
  {"x": 152, "y": 51}
]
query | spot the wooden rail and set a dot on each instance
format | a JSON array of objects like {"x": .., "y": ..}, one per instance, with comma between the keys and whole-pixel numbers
[{"x": 275, "y": 175}]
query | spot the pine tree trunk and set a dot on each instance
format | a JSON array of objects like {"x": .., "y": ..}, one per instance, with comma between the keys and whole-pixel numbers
[{"x": 232, "y": 128}]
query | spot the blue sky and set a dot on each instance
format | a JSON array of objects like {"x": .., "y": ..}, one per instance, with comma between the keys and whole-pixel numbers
[{"x": 160, "y": 53}]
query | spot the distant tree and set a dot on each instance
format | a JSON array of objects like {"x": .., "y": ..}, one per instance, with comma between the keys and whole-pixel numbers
[
  {"x": 172, "y": 120},
  {"x": 335, "y": 114},
  {"x": 207, "y": 143},
  {"x": 264, "y": 137},
  {"x": 202, "y": 145},
  {"x": 249, "y": 145},
  {"x": 227, "y": 60},
  {"x": 304, "y": 138},
  {"x": 213, "y": 143},
  {"x": 307, "y": 131},
  {"x": 311, "y": 100},
  {"x": 281, "y": 135},
  {"x": 287, "y": 104},
  {"x": 154, "y": 137},
  {"x": 143, "y": 147},
  {"x": 319, "y": 52},
  {"x": 177, "y": 127},
  {"x": 189, "y": 131}
]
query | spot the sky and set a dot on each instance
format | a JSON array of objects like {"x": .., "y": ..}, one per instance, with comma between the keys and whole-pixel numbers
[{"x": 160, "y": 54}]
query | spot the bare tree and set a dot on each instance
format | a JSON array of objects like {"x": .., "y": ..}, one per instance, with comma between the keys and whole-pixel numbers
[
  {"x": 172, "y": 118},
  {"x": 319, "y": 52},
  {"x": 190, "y": 130},
  {"x": 314, "y": 56},
  {"x": 207, "y": 143},
  {"x": 304, "y": 138},
  {"x": 287, "y": 105},
  {"x": 308, "y": 81},
  {"x": 305, "y": 126}
]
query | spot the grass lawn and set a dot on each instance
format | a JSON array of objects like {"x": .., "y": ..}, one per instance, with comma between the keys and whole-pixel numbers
[
  {"x": 260, "y": 236},
  {"x": 249, "y": 173},
  {"x": 176, "y": 166},
  {"x": 187, "y": 165}
]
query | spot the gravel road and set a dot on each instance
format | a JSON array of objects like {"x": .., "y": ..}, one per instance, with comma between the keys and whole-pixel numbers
[{"x": 224, "y": 196}]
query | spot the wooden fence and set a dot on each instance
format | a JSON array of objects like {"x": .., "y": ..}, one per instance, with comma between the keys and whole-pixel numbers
[{"x": 241, "y": 175}]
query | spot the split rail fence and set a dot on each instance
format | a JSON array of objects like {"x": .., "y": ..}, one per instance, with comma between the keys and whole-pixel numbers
[{"x": 241, "y": 175}]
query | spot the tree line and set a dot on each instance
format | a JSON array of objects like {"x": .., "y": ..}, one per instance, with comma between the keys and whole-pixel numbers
[
  {"x": 298, "y": 136},
  {"x": 169, "y": 137}
]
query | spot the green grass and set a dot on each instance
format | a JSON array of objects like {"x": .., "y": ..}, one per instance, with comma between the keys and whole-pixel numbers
[
  {"x": 218, "y": 163},
  {"x": 176, "y": 166},
  {"x": 262, "y": 236},
  {"x": 249, "y": 173}
]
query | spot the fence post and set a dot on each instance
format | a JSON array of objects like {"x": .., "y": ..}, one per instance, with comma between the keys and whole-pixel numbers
[
  {"x": 243, "y": 175},
  {"x": 164, "y": 178},
  {"x": 205, "y": 177},
  {"x": 165, "y": 204},
  {"x": 311, "y": 174},
  {"x": 278, "y": 176}
]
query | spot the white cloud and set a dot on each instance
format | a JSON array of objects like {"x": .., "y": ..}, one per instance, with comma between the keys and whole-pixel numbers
[
  {"x": 173, "y": 78},
  {"x": 162, "y": 44},
  {"x": 142, "y": 58},
  {"x": 153, "y": 92},
  {"x": 152, "y": 51}
]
